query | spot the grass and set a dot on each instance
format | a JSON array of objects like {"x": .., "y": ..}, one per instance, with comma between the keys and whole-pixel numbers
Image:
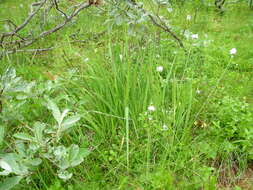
[{"x": 195, "y": 138}]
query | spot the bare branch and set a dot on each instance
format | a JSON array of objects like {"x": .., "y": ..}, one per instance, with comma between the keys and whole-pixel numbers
[
  {"x": 166, "y": 29},
  {"x": 30, "y": 50},
  {"x": 12, "y": 42},
  {"x": 58, "y": 9},
  {"x": 59, "y": 26},
  {"x": 16, "y": 45},
  {"x": 27, "y": 20},
  {"x": 161, "y": 25}
]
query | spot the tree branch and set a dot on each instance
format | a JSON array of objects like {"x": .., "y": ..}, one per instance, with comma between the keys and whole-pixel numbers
[
  {"x": 23, "y": 42},
  {"x": 161, "y": 25}
]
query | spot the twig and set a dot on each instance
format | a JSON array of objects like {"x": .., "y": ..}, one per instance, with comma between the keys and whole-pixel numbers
[
  {"x": 27, "y": 20},
  {"x": 24, "y": 42},
  {"x": 163, "y": 25},
  {"x": 166, "y": 29},
  {"x": 51, "y": 48},
  {"x": 9, "y": 21},
  {"x": 60, "y": 26},
  {"x": 30, "y": 50},
  {"x": 58, "y": 9}
]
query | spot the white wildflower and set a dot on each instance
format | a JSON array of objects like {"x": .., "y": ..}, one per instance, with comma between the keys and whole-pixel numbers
[
  {"x": 233, "y": 51},
  {"x": 120, "y": 57},
  {"x": 151, "y": 108},
  {"x": 195, "y": 36},
  {"x": 159, "y": 69},
  {"x": 187, "y": 34},
  {"x": 169, "y": 9},
  {"x": 188, "y": 17},
  {"x": 165, "y": 127},
  {"x": 86, "y": 59}
]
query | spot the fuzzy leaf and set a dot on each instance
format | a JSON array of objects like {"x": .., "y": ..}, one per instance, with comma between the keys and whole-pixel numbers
[
  {"x": 63, "y": 115},
  {"x": 5, "y": 165},
  {"x": 55, "y": 111},
  {"x": 69, "y": 122},
  {"x": 74, "y": 157},
  {"x": 12, "y": 160},
  {"x": 10, "y": 182},
  {"x": 7, "y": 168},
  {"x": 65, "y": 175},
  {"x": 38, "y": 131},
  {"x": 36, "y": 161},
  {"x": 73, "y": 152},
  {"x": 83, "y": 152}
]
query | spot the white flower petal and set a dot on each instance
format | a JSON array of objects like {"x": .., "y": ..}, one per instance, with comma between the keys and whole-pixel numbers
[
  {"x": 169, "y": 9},
  {"x": 151, "y": 108},
  {"x": 188, "y": 17},
  {"x": 159, "y": 69},
  {"x": 233, "y": 51},
  {"x": 165, "y": 127},
  {"x": 120, "y": 57},
  {"x": 195, "y": 36}
]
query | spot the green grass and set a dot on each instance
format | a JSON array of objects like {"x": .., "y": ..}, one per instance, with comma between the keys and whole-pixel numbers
[{"x": 198, "y": 96}]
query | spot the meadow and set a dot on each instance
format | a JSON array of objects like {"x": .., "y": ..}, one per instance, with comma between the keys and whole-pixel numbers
[{"x": 121, "y": 106}]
